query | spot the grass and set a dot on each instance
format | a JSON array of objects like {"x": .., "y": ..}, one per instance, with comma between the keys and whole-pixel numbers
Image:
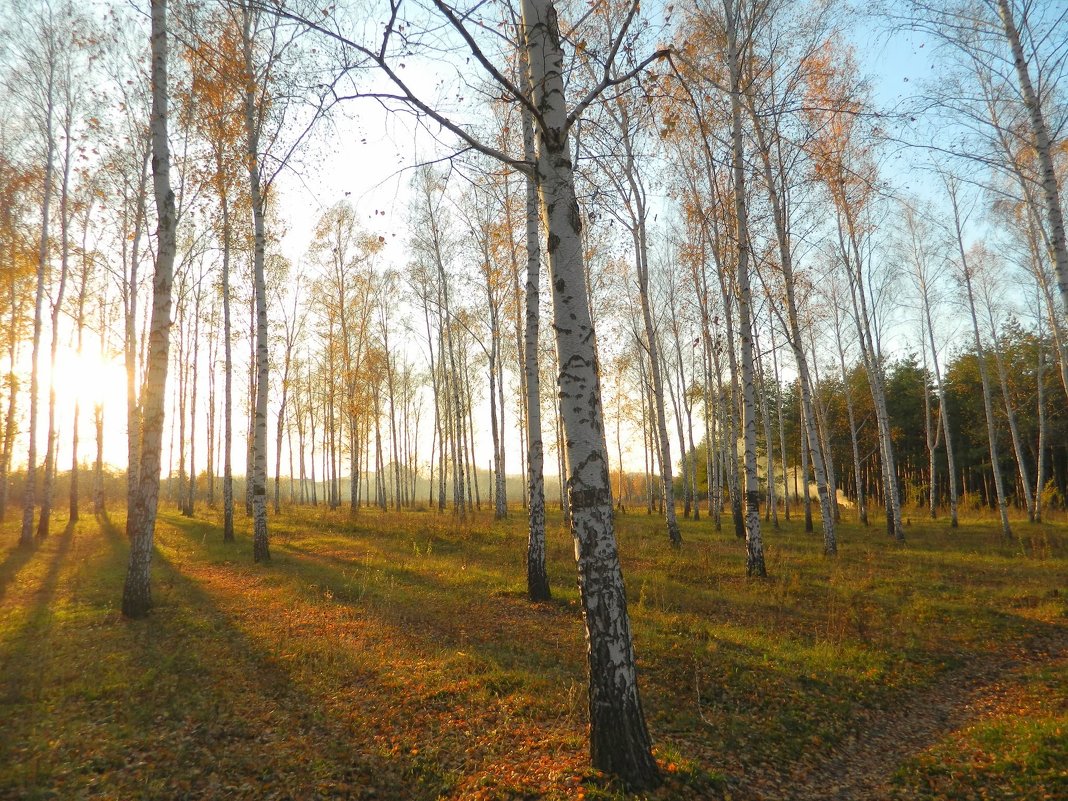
[{"x": 396, "y": 656}]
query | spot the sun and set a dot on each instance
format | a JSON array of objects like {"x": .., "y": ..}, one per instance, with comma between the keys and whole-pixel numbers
[{"x": 88, "y": 378}]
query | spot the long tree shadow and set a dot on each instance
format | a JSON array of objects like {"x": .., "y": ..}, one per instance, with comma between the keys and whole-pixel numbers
[
  {"x": 866, "y": 764},
  {"x": 17, "y": 557},
  {"x": 430, "y": 610},
  {"x": 216, "y": 689},
  {"x": 19, "y": 664},
  {"x": 438, "y": 654},
  {"x": 34, "y": 663},
  {"x": 431, "y": 614},
  {"x": 183, "y": 704},
  {"x": 25, "y": 657}
]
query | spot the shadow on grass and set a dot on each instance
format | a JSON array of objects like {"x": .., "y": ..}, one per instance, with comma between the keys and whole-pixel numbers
[
  {"x": 766, "y": 685},
  {"x": 231, "y": 690},
  {"x": 431, "y": 610},
  {"x": 20, "y": 673},
  {"x": 17, "y": 557}
]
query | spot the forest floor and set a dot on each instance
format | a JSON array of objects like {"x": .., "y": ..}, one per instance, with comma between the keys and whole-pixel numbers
[{"x": 395, "y": 656}]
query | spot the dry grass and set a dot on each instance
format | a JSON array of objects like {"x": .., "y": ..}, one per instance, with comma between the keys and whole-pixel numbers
[{"x": 396, "y": 656}]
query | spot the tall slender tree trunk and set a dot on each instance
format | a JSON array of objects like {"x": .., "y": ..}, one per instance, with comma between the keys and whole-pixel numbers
[
  {"x": 30, "y": 487},
  {"x": 260, "y": 549},
  {"x": 228, "y": 364},
  {"x": 1044, "y": 148},
  {"x": 980, "y": 352},
  {"x": 454, "y": 380},
  {"x": 137, "y": 597},
  {"x": 874, "y": 368},
  {"x": 194, "y": 367},
  {"x": 715, "y": 506},
  {"x": 809, "y": 444},
  {"x": 781, "y": 424},
  {"x": 676, "y": 409},
  {"x": 50, "y": 463},
  {"x": 769, "y": 443},
  {"x": 12, "y": 397},
  {"x": 862, "y": 500},
  {"x": 181, "y": 362},
  {"x": 943, "y": 414},
  {"x": 133, "y": 399},
  {"x": 213, "y": 355},
  {"x": 1040, "y": 479},
  {"x": 282, "y": 422},
  {"x": 619, "y": 740},
  {"x": 1010, "y": 414},
  {"x": 469, "y": 431},
  {"x": 641, "y": 260},
  {"x": 930, "y": 435},
  {"x": 79, "y": 333},
  {"x": 754, "y": 565},
  {"x": 99, "y": 502}
]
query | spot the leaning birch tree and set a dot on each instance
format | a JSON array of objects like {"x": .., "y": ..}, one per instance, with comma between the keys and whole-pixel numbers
[{"x": 965, "y": 274}]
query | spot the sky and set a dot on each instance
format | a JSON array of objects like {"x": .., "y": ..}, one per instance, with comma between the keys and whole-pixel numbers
[{"x": 364, "y": 156}]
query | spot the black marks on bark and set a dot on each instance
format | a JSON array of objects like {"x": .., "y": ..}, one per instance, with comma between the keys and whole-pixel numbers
[
  {"x": 574, "y": 216},
  {"x": 590, "y": 497},
  {"x": 552, "y": 28}
]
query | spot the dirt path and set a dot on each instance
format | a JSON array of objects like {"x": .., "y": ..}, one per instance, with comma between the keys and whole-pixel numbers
[{"x": 862, "y": 767}]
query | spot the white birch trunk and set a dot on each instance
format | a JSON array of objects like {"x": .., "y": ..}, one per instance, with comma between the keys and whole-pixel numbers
[
  {"x": 943, "y": 411},
  {"x": 136, "y": 597},
  {"x": 228, "y": 386},
  {"x": 537, "y": 577},
  {"x": 874, "y": 369},
  {"x": 1043, "y": 150},
  {"x": 1010, "y": 413},
  {"x": 988, "y": 406},
  {"x": 754, "y": 563},
  {"x": 619, "y": 740},
  {"x": 50, "y": 465},
  {"x": 641, "y": 259},
  {"x": 260, "y": 547},
  {"x": 769, "y": 445},
  {"x": 1040, "y": 479},
  {"x": 29, "y": 491}
]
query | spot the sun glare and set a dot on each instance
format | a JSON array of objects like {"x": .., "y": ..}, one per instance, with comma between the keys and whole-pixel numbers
[{"x": 88, "y": 378}]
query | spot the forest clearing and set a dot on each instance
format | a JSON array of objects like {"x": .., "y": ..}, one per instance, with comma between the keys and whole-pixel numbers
[{"x": 395, "y": 655}]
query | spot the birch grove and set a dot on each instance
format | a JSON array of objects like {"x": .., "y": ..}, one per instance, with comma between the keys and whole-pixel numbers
[{"x": 625, "y": 262}]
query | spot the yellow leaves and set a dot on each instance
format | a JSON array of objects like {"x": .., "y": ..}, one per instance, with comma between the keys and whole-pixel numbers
[
  {"x": 212, "y": 102},
  {"x": 833, "y": 107}
]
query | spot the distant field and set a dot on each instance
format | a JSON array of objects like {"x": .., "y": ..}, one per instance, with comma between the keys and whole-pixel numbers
[{"x": 396, "y": 656}]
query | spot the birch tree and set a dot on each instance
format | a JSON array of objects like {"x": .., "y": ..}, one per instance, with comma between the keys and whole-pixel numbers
[
  {"x": 919, "y": 235},
  {"x": 1013, "y": 50},
  {"x": 136, "y": 596},
  {"x": 537, "y": 576},
  {"x": 623, "y": 171},
  {"x": 845, "y": 166},
  {"x": 754, "y": 564},
  {"x": 965, "y": 274},
  {"x": 41, "y": 55}
]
